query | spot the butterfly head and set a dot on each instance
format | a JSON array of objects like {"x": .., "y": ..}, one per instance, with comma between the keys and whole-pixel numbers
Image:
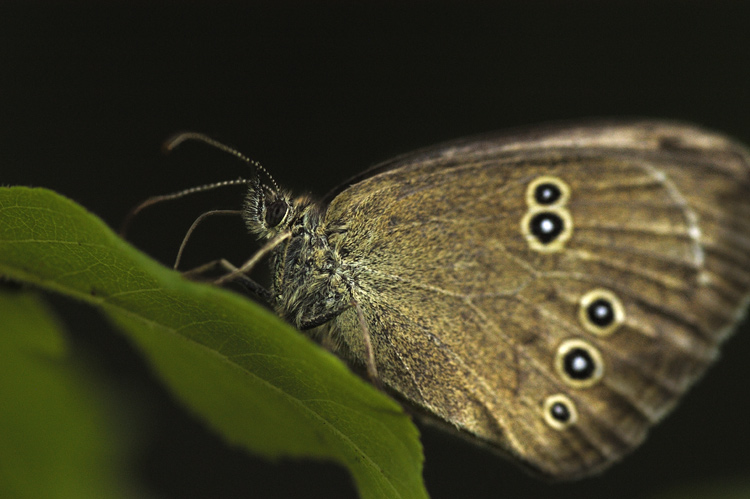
[{"x": 269, "y": 211}]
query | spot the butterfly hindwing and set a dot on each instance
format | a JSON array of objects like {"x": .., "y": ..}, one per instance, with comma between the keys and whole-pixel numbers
[{"x": 553, "y": 293}]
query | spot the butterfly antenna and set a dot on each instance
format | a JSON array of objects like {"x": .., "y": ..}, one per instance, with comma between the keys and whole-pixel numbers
[
  {"x": 176, "y": 195},
  {"x": 178, "y": 139},
  {"x": 192, "y": 229}
]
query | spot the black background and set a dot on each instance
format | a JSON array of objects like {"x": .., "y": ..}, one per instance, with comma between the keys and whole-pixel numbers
[{"x": 317, "y": 92}]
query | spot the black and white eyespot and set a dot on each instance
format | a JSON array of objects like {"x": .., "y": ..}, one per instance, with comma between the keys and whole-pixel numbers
[
  {"x": 560, "y": 412},
  {"x": 276, "y": 212},
  {"x": 547, "y": 191},
  {"x": 601, "y": 312},
  {"x": 547, "y": 230},
  {"x": 546, "y": 226},
  {"x": 579, "y": 363}
]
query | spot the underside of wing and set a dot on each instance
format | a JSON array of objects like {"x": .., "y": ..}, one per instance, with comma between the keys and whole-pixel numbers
[{"x": 552, "y": 292}]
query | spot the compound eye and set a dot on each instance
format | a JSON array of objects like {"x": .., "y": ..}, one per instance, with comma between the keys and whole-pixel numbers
[{"x": 275, "y": 213}]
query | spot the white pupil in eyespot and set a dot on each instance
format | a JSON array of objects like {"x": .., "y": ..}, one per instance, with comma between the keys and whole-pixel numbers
[
  {"x": 547, "y": 226},
  {"x": 579, "y": 364},
  {"x": 601, "y": 311}
]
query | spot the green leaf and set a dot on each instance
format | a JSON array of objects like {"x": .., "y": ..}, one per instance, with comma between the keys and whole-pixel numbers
[
  {"x": 256, "y": 380},
  {"x": 60, "y": 437}
]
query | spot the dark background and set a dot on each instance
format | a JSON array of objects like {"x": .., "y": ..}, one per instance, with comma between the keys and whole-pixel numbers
[{"x": 317, "y": 92}]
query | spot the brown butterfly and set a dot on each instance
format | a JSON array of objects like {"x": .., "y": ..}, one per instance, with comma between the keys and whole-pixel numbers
[{"x": 550, "y": 292}]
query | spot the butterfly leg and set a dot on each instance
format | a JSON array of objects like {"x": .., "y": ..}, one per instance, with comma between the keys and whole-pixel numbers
[
  {"x": 239, "y": 277},
  {"x": 372, "y": 370}
]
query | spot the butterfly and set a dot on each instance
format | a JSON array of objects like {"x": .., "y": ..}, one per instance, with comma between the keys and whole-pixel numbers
[{"x": 549, "y": 292}]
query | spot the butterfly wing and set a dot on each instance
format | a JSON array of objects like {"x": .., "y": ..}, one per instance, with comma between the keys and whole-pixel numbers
[{"x": 552, "y": 293}]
